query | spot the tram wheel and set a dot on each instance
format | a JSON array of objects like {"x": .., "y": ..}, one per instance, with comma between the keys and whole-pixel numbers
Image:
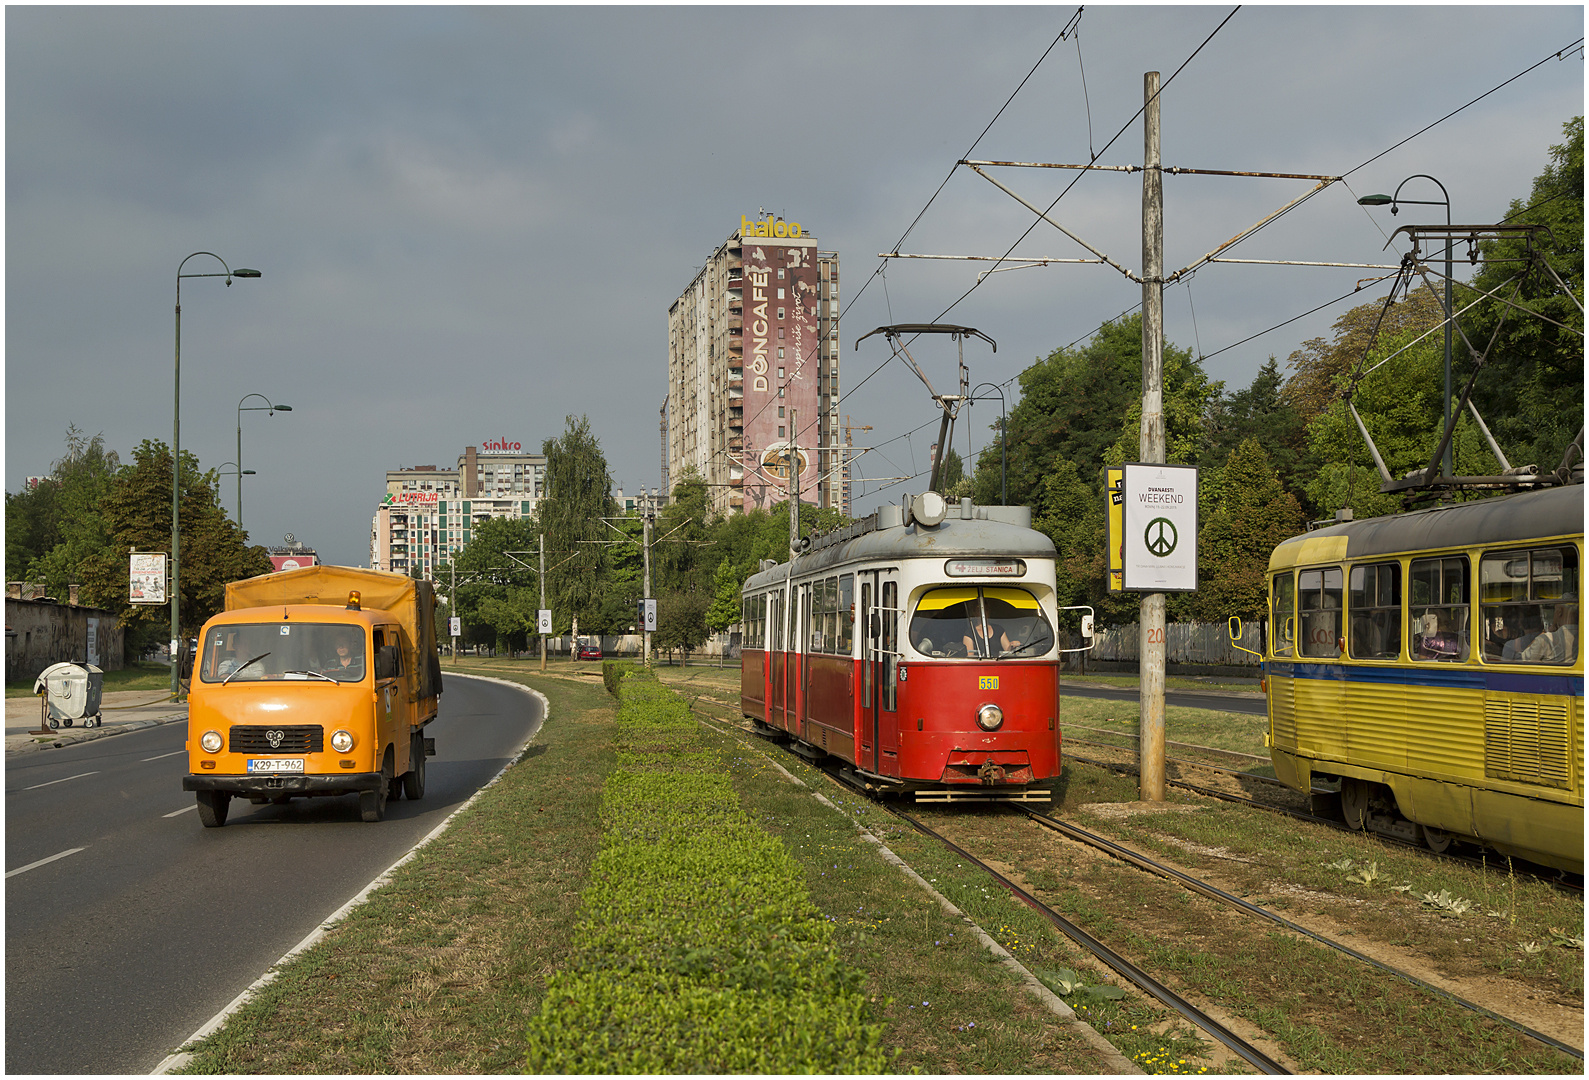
[
  {"x": 1437, "y": 839},
  {"x": 1354, "y": 802}
]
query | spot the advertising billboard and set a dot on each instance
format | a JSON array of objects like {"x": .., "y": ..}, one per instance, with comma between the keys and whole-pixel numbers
[
  {"x": 1160, "y": 527},
  {"x": 295, "y": 561},
  {"x": 781, "y": 290},
  {"x": 147, "y": 578}
]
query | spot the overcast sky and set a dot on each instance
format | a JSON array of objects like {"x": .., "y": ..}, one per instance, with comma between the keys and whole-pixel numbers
[{"x": 471, "y": 221}]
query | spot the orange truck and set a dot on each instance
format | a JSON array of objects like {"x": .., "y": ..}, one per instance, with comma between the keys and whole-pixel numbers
[{"x": 314, "y": 682}]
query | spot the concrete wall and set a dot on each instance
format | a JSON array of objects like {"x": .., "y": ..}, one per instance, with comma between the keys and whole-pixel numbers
[{"x": 40, "y": 634}]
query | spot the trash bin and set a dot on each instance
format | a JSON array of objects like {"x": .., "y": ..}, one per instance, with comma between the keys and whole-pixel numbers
[{"x": 71, "y": 691}]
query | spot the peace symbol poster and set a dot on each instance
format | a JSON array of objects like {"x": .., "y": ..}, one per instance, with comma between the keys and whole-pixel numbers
[{"x": 1160, "y": 527}]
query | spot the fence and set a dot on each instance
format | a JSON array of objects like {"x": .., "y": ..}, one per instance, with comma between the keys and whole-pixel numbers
[{"x": 1184, "y": 643}]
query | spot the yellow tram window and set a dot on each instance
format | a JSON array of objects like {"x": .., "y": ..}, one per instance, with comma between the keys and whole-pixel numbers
[
  {"x": 1530, "y": 607},
  {"x": 1374, "y": 608},
  {"x": 1319, "y": 607},
  {"x": 1283, "y": 622},
  {"x": 1437, "y": 609}
]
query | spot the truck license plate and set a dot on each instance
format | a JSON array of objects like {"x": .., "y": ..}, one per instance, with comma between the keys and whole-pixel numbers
[{"x": 275, "y": 765}]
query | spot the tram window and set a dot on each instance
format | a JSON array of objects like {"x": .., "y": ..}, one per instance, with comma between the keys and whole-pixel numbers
[
  {"x": 1319, "y": 609},
  {"x": 830, "y": 615},
  {"x": 1437, "y": 608},
  {"x": 980, "y": 621},
  {"x": 846, "y": 614},
  {"x": 890, "y": 608},
  {"x": 1374, "y": 606},
  {"x": 1283, "y": 620},
  {"x": 1530, "y": 606}
]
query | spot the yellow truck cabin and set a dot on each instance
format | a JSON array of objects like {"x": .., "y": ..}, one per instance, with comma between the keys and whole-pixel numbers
[{"x": 314, "y": 682}]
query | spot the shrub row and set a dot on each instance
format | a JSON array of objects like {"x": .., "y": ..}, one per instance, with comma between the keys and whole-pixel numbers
[{"x": 699, "y": 949}]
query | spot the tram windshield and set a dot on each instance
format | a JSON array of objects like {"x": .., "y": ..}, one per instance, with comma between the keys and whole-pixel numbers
[{"x": 980, "y": 621}]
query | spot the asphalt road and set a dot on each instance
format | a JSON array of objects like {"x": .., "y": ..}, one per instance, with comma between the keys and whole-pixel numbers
[
  {"x": 150, "y": 924},
  {"x": 1185, "y": 699}
]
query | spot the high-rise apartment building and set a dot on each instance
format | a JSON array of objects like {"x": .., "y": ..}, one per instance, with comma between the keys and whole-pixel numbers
[
  {"x": 427, "y": 512},
  {"x": 753, "y": 371}
]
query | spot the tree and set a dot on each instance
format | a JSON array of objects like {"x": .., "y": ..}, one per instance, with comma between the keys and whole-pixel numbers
[
  {"x": 501, "y": 592},
  {"x": 1532, "y": 394},
  {"x": 681, "y": 621},
  {"x": 1400, "y": 404},
  {"x": 1249, "y": 513},
  {"x": 1260, "y": 411},
  {"x": 578, "y": 496},
  {"x": 53, "y": 529},
  {"x": 137, "y": 514},
  {"x": 1320, "y": 367}
]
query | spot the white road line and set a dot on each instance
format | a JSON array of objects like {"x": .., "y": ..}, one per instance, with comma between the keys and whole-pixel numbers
[
  {"x": 185, "y": 809},
  {"x": 63, "y": 780},
  {"x": 173, "y": 753},
  {"x": 41, "y": 862}
]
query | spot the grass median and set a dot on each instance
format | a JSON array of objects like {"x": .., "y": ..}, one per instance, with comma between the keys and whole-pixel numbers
[{"x": 447, "y": 968}]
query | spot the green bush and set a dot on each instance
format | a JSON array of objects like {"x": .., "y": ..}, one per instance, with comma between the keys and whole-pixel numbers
[
  {"x": 699, "y": 949},
  {"x": 612, "y": 672}
]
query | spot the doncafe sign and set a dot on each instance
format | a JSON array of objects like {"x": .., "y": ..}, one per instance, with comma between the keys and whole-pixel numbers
[{"x": 789, "y": 230}]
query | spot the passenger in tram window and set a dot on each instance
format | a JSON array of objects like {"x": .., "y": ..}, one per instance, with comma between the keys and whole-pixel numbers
[
  {"x": 1559, "y": 645},
  {"x": 1439, "y": 640},
  {"x": 979, "y": 638},
  {"x": 1530, "y": 625}
]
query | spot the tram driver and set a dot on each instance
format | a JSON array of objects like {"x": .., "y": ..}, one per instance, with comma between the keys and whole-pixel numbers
[{"x": 981, "y": 635}]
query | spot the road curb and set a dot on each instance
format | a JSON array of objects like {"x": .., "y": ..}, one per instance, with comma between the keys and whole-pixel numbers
[
  {"x": 181, "y": 1058},
  {"x": 25, "y": 744}
]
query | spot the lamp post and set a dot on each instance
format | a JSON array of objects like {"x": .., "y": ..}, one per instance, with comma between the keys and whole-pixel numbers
[
  {"x": 1393, "y": 200},
  {"x": 176, "y": 464},
  {"x": 265, "y": 408},
  {"x": 1004, "y": 495}
]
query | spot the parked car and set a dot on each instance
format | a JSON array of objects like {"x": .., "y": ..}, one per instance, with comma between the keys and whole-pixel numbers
[{"x": 589, "y": 652}]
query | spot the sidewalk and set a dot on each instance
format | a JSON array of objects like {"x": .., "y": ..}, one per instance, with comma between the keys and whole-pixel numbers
[{"x": 122, "y": 710}]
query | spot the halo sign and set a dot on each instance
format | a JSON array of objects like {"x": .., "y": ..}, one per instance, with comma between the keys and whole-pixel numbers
[{"x": 1160, "y": 532}]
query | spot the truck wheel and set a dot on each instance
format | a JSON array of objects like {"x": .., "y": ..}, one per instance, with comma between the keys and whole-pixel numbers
[
  {"x": 414, "y": 779},
  {"x": 372, "y": 804},
  {"x": 212, "y": 808}
]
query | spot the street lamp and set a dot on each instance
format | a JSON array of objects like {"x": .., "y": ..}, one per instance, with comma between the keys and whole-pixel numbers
[
  {"x": 176, "y": 464},
  {"x": 1004, "y": 495},
  {"x": 265, "y": 408},
  {"x": 1393, "y": 200}
]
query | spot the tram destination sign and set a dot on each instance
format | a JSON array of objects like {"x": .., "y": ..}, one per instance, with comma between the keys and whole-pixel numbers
[{"x": 1159, "y": 531}]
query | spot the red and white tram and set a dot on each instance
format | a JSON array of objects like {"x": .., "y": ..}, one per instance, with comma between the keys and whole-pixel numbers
[{"x": 919, "y": 647}]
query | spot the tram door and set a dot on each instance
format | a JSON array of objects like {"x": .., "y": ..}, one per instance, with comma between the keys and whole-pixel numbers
[
  {"x": 778, "y": 674},
  {"x": 879, "y": 671}
]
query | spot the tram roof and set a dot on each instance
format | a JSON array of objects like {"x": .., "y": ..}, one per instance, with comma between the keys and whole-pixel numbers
[
  {"x": 1505, "y": 519},
  {"x": 954, "y": 537}
]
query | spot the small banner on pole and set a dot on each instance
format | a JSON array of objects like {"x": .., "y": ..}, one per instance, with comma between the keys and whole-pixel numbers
[
  {"x": 543, "y": 621},
  {"x": 1115, "y": 516},
  {"x": 1160, "y": 528},
  {"x": 650, "y": 614},
  {"x": 455, "y": 626}
]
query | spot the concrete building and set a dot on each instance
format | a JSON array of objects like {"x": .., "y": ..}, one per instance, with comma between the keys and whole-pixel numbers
[
  {"x": 429, "y": 512},
  {"x": 753, "y": 371}
]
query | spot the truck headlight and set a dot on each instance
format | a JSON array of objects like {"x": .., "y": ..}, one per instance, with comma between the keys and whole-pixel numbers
[
  {"x": 211, "y": 741},
  {"x": 342, "y": 741},
  {"x": 989, "y": 717}
]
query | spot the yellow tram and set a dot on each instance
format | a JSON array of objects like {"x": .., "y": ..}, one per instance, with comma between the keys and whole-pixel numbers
[{"x": 1429, "y": 663}]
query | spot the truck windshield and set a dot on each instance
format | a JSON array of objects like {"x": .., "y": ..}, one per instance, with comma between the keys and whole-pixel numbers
[
  {"x": 988, "y": 622},
  {"x": 283, "y": 650}
]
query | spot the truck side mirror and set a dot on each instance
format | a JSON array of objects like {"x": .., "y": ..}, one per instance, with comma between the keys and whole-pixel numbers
[{"x": 386, "y": 662}]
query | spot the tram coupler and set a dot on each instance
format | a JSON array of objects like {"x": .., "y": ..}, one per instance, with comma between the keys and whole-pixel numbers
[{"x": 991, "y": 772}]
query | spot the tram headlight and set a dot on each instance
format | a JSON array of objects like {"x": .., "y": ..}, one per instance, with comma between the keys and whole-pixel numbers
[
  {"x": 342, "y": 741},
  {"x": 211, "y": 741},
  {"x": 989, "y": 717}
]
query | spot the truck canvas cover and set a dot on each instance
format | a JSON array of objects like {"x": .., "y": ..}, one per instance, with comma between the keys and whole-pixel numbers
[{"x": 411, "y": 602}]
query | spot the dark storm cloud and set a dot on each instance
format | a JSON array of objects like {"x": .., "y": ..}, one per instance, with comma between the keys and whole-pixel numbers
[{"x": 472, "y": 221}]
